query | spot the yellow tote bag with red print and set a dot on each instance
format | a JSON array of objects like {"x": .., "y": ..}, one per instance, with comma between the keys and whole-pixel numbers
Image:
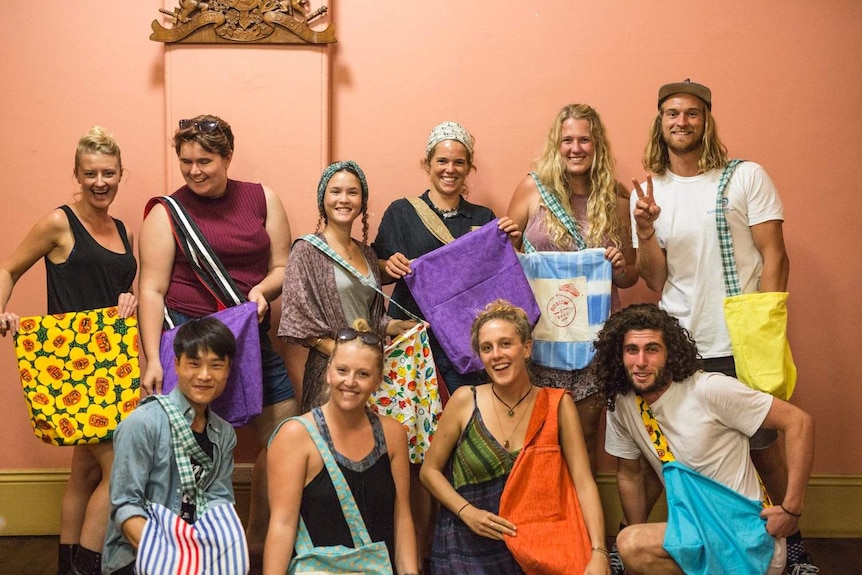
[{"x": 80, "y": 373}]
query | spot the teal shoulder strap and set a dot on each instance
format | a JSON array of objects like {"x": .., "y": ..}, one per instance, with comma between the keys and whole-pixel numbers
[{"x": 358, "y": 531}]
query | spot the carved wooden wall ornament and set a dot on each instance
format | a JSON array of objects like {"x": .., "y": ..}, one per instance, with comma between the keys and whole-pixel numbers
[{"x": 243, "y": 21}]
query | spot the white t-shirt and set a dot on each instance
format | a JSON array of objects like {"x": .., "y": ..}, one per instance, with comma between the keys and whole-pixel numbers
[
  {"x": 707, "y": 420},
  {"x": 694, "y": 290}
]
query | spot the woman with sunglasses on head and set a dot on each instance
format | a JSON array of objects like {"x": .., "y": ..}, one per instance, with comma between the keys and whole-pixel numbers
[
  {"x": 319, "y": 294},
  {"x": 403, "y": 236},
  {"x": 90, "y": 264},
  {"x": 247, "y": 228},
  {"x": 480, "y": 435},
  {"x": 370, "y": 450},
  {"x": 577, "y": 168}
]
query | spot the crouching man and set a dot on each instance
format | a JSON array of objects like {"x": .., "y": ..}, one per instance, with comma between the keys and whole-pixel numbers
[
  {"x": 172, "y": 499},
  {"x": 663, "y": 408}
]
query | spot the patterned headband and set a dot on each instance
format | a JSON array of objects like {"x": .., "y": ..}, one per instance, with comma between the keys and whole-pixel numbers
[
  {"x": 334, "y": 168},
  {"x": 449, "y": 131}
]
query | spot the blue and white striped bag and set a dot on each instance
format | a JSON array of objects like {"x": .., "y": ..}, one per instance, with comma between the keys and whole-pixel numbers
[
  {"x": 215, "y": 544},
  {"x": 573, "y": 290}
]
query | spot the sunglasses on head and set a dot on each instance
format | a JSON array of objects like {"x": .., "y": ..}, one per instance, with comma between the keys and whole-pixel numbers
[
  {"x": 202, "y": 126},
  {"x": 367, "y": 337}
]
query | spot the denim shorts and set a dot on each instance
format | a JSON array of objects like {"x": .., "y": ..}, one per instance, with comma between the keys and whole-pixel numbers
[
  {"x": 763, "y": 437},
  {"x": 277, "y": 386}
]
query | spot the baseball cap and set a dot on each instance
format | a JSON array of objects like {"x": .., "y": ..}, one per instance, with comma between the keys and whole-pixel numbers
[{"x": 685, "y": 87}]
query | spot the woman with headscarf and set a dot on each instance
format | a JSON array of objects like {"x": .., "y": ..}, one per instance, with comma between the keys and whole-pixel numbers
[
  {"x": 403, "y": 237},
  {"x": 319, "y": 296}
]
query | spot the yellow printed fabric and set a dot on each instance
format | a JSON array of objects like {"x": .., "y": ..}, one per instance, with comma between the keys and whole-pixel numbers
[
  {"x": 409, "y": 391},
  {"x": 79, "y": 372},
  {"x": 658, "y": 438}
]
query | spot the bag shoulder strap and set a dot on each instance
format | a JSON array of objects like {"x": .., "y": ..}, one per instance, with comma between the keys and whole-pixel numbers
[
  {"x": 321, "y": 245},
  {"x": 732, "y": 286},
  {"x": 658, "y": 438},
  {"x": 431, "y": 220},
  {"x": 553, "y": 204},
  {"x": 543, "y": 427},
  {"x": 659, "y": 441},
  {"x": 200, "y": 255},
  {"x": 185, "y": 445},
  {"x": 358, "y": 531}
]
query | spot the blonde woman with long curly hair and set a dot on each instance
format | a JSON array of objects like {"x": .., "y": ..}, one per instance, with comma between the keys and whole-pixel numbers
[{"x": 577, "y": 167}]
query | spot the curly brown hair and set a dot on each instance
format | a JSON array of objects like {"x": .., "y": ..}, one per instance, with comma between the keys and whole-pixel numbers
[{"x": 607, "y": 366}]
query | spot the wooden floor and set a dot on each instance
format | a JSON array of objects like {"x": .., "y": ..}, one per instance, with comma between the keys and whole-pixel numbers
[{"x": 38, "y": 555}]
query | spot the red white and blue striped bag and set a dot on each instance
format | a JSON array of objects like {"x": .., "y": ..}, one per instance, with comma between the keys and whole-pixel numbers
[{"x": 215, "y": 544}]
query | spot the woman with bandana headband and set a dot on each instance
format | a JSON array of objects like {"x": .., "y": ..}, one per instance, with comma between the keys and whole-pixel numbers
[
  {"x": 319, "y": 296},
  {"x": 403, "y": 237}
]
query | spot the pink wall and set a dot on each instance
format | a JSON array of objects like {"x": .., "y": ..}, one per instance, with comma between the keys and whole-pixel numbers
[{"x": 785, "y": 77}]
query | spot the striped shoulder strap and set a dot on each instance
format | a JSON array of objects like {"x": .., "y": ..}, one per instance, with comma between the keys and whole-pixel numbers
[
  {"x": 327, "y": 249},
  {"x": 200, "y": 255}
]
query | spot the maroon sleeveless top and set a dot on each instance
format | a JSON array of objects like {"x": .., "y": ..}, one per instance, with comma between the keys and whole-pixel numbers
[{"x": 234, "y": 225}]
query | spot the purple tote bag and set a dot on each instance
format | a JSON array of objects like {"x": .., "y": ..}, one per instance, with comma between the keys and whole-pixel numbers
[
  {"x": 242, "y": 399},
  {"x": 454, "y": 283}
]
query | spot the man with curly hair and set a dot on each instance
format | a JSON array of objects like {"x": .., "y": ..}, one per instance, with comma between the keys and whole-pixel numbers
[{"x": 707, "y": 419}]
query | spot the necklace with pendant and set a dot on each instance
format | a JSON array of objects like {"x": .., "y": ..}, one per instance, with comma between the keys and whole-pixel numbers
[
  {"x": 520, "y": 419},
  {"x": 511, "y": 408}
]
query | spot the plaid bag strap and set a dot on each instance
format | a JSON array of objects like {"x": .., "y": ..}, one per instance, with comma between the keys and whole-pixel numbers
[
  {"x": 553, "y": 204},
  {"x": 185, "y": 445},
  {"x": 326, "y": 249},
  {"x": 200, "y": 255},
  {"x": 355, "y": 523},
  {"x": 732, "y": 286}
]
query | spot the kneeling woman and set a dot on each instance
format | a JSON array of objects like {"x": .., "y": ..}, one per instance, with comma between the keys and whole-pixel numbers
[
  {"x": 482, "y": 430},
  {"x": 370, "y": 450}
]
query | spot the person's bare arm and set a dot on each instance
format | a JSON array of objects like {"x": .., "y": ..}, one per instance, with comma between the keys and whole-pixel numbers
[{"x": 769, "y": 240}]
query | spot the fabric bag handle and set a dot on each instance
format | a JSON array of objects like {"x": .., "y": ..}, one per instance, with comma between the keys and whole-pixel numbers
[
  {"x": 327, "y": 249},
  {"x": 553, "y": 204},
  {"x": 431, "y": 220},
  {"x": 185, "y": 445},
  {"x": 659, "y": 441},
  {"x": 732, "y": 286},
  {"x": 358, "y": 531},
  {"x": 206, "y": 264}
]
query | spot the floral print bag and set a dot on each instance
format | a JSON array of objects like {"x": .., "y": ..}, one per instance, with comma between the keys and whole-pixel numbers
[
  {"x": 409, "y": 392},
  {"x": 80, "y": 373}
]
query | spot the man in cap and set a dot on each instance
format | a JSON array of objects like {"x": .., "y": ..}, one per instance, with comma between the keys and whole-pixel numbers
[{"x": 678, "y": 251}]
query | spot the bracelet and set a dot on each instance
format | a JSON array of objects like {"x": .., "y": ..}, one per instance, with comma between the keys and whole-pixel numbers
[
  {"x": 621, "y": 275},
  {"x": 602, "y": 550},
  {"x": 317, "y": 343},
  {"x": 797, "y": 515},
  {"x": 649, "y": 237},
  {"x": 463, "y": 507}
]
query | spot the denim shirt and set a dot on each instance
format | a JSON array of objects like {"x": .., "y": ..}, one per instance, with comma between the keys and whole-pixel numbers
[{"x": 145, "y": 470}]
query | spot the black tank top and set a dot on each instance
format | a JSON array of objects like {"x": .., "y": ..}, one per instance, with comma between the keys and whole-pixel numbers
[
  {"x": 371, "y": 484},
  {"x": 92, "y": 277}
]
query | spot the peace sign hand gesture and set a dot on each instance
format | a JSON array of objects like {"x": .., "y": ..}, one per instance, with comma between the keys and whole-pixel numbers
[{"x": 646, "y": 210}]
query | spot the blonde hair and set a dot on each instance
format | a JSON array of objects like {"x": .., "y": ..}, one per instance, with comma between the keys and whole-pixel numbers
[
  {"x": 713, "y": 156},
  {"x": 505, "y": 311},
  {"x": 97, "y": 141},
  {"x": 602, "y": 202}
]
